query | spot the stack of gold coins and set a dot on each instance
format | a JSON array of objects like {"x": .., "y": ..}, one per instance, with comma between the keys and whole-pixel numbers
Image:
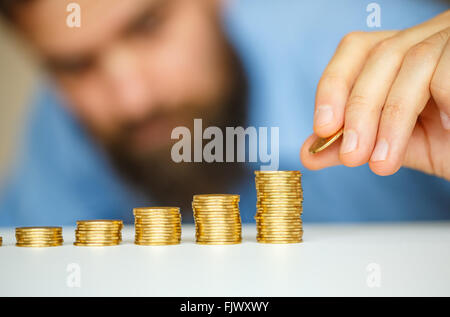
[
  {"x": 1, "y": 241},
  {"x": 98, "y": 233},
  {"x": 217, "y": 219},
  {"x": 39, "y": 236},
  {"x": 157, "y": 225},
  {"x": 279, "y": 206}
]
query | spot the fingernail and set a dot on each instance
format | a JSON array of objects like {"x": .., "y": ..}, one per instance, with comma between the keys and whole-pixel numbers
[
  {"x": 445, "y": 119},
  {"x": 381, "y": 151},
  {"x": 350, "y": 141},
  {"x": 324, "y": 115}
]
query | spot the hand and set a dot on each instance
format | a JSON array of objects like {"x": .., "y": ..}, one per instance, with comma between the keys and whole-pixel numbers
[{"x": 391, "y": 92}]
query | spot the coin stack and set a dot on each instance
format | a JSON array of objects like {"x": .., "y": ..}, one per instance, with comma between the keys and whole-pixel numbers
[
  {"x": 279, "y": 206},
  {"x": 98, "y": 232},
  {"x": 217, "y": 219},
  {"x": 39, "y": 236},
  {"x": 1, "y": 241},
  {"x": 157, "y": 225}
]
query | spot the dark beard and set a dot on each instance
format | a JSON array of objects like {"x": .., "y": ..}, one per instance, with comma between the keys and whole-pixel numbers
[{"x": 167, "y": 183}]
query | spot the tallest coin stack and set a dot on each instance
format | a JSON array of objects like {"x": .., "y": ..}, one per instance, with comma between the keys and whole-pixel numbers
[{"x": 279, "y": 206}]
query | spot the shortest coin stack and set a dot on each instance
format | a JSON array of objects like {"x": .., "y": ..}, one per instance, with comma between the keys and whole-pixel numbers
[
  {"x": 39, "y": 236},
  {"x": 157, "y": 225},
  {"x": 217, "y": 219},
  {"x": 98, "y": 233}
]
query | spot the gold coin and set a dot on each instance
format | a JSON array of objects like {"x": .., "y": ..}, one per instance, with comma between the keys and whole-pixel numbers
[
  {"x": 138, "y": 229},
  {"x": 280, "y": 236},
  {"x": 157, "y": 227},
  {"x": 105, "y": 236},
  {"x": 99, "y": 225},
  {"x": 284, "y": 182},
  {"x": 157, "y": 224},
  {"x": 158, "y": 238},
  {"x": 155, "y": 212},
  {"x": 280, "y": 233},
  {"x": 100, "y": 222},
  {"x": 38, "y": 237},
  {"x": 276, "y": 172},
  {"x": 158, "y": 216},
  {"x": 163, "y": 222},
  {"x": 218, "y": 242},
  {"x": 213, "y": 205},
  {"x": 322, "y": 143},
  {"x": 219, "y": 231},
  {"x": 218, "y": 238},
  {"x": 289, "y": 215},
  {"x": 98, "y": 241},
  {"x": 216, "y": 196},
  {"x": 218, "y": 217},
  {"x": 153, "y": 235},
  {"x": 285, "y": 224},
  {"x": 287, "y": 240},
  {"x": 81, "y": 244},
  {"x": 216, "y": 212},
  {"x": 39, "y": 244},
  {"x": 217, "y": 226},
  {"x": 155, "y": 243},
  {"x": 151, "y": 209},
  {"x": 45, "y": 228}
]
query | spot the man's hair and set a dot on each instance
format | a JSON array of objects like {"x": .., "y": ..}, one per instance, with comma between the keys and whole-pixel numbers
[{"x": 7, "y": 7}]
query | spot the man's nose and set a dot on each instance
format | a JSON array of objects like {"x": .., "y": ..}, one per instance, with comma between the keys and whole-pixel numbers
[{"x": 128, "y": 84}]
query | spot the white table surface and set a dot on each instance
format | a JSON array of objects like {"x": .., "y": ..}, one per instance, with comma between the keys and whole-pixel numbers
[{"x": 413, "y": 259}]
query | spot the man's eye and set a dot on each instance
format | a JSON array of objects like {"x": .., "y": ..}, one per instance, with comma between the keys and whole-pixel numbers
[
  {"x": 146, "y": 25},
  {"x": 72, "y": 67}
]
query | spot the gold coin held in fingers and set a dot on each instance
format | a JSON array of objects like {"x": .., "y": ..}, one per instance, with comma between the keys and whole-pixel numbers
[{"x": 322, "y": 143}]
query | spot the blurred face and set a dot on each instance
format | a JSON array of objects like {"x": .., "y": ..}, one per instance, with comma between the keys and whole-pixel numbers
[{"x": 135, "y": 69}]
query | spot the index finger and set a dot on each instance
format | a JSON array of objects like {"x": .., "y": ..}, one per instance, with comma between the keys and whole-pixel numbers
[{"x": 337, "y": 80}]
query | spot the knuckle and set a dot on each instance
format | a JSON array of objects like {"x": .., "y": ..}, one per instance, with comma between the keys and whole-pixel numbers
[
  {"x": 386, "y": 49},
  {"x": 421, "y": 53},
  {"x": 443, "y": 35},
  {"x": 394, "y": 109},
  {"x": 352, "y": 37},
  {"x": 356, "y": 103},
  {"x": 334, "y": 80},
  {"x": 440, "y": 91}
]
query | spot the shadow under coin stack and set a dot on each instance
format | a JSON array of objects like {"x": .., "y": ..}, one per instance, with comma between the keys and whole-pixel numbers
[
  {"x": 279, "y": 206},
  {"x": 217, "y": 219},
  {"x": 98, "y": 233},
  {"x": 157, "y": 225},
  {"x": 39, "y": 237}
]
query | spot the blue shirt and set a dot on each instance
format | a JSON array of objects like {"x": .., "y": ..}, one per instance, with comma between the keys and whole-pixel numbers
[{"x": 60, "y": 176}]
